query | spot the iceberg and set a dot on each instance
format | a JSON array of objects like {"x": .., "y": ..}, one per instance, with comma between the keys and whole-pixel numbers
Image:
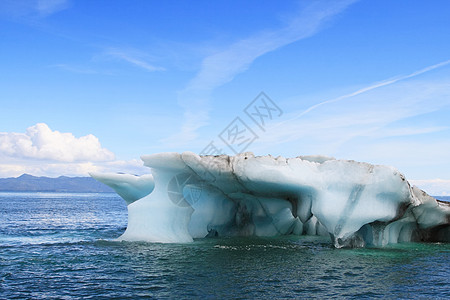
[{"x": 356, "y": 204}]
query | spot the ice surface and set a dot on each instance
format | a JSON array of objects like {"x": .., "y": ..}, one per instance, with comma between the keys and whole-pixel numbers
[
  {"x": 129, "y": 187},
  {"x": 355, "y": 204}
]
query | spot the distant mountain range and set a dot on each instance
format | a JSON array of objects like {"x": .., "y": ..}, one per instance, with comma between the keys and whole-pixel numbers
[{"x": 29, "y": 183}]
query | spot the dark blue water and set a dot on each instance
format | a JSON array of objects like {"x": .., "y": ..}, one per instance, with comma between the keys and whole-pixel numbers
[
  {"x": 443, "y": 198},
  {"x": 61, "y": 246}
]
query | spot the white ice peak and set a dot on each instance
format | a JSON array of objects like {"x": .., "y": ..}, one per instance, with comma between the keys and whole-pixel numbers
[{"x": 356, "y": 204}]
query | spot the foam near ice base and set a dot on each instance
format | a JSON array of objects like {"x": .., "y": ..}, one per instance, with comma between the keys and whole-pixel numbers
[{"x": 356, "y": 204}]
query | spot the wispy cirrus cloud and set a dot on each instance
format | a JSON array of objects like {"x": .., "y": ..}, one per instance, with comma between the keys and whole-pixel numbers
[
  {"x": 377, "y": 104},
  {"x": 372, "y": 87},
  {"x": 403, "y": 131},
  {"x": 48, "y": 7},
  {"x": 75, "y": 69},
  {"x": 32, "y": 8},
  {"x": 222, "y": 66},
  {"x": 379, "y": 123},
  {"x": 133, "y": 57}
]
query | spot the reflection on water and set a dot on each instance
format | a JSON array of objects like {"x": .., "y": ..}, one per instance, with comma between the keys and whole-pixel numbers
[{"x": 62, "y": 246}]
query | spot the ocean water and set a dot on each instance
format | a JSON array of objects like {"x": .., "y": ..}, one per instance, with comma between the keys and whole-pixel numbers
[
  {"x": 443, "y": 198},
  {"x": 61, "y": 246}
]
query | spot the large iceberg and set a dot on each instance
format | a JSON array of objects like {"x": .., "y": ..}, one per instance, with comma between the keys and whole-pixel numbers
[{"x": 356, "y": 204}]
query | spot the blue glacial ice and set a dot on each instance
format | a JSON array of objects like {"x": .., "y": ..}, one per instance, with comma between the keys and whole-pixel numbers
[{"x": 188, "y": 196}]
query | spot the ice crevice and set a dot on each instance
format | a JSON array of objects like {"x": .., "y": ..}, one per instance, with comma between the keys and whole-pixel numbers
[{"x": 356, "y": 204}]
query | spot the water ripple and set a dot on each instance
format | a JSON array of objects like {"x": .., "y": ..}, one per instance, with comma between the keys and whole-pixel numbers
[{"x": 62, "y": 247}]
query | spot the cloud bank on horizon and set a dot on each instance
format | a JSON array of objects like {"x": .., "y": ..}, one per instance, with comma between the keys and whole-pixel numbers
[
  {"x": 43, "y": 152},
  {"x": 355, "y": 80}
]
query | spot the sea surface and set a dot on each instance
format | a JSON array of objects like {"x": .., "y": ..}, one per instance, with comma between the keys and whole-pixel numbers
[{"x": 61, "y": 246}]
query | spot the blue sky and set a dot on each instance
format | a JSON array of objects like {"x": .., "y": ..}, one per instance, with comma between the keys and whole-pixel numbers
[{"x": 92, "y": 85}]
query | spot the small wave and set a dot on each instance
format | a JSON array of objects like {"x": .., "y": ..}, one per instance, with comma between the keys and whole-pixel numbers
[{"x": 14, "y": 241}]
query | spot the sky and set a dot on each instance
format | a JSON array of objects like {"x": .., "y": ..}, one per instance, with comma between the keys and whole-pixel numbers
[{"x": 93, "y": 85}]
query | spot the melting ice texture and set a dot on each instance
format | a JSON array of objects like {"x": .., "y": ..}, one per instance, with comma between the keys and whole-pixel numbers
[{"x": 357, "y": 204}]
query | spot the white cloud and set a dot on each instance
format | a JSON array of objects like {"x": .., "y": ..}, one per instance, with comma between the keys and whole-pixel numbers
[
  {"x": 55, "y": 169},
  {"x": 224, "y": 65},
  {"x": 435, "y": 187},
  {"x": 133, "y": 57},
  {"x": 40, "y": 142},
  {"x": 75, "y": 69},
  {"x": 373, "y": 87},
  {"x": 404, "y": 131},
  {"x": 48, "y": 7},
  {"x": 368, "y": 112},
  {"x": 400, "y": 122},
  {"x": 41, "y": 151},
  {"x": 31, "y": 8}
]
